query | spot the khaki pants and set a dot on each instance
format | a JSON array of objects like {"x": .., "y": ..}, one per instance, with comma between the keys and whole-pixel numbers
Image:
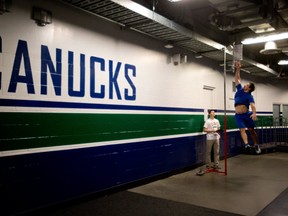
[{"x": 215, "y": 144}]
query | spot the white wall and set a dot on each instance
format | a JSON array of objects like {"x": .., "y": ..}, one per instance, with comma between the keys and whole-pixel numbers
[{"x": 158, "y": 81}]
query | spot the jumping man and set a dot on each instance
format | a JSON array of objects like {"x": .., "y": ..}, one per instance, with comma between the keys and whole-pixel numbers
[{"x": 243, "y": 117}]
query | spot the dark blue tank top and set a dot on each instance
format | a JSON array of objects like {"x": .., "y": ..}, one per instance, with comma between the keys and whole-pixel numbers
[{"x": 243, "y": 98}]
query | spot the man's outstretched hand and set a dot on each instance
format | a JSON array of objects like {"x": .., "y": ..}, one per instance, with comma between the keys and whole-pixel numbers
[{"x": 237, "y": 64}]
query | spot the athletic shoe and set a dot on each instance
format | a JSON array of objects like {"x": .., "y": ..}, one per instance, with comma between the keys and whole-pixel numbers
[
  {"x": 257, "y": 149},
  {"x": 247, "y": 149},
  {"x": 200, "y": 172},
  {"x": 247, "y": 146}
]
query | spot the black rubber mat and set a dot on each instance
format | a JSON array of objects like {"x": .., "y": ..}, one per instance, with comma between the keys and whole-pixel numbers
[
  {"x": 278, "y": 207},
  {"x": 131, "y": 204}
]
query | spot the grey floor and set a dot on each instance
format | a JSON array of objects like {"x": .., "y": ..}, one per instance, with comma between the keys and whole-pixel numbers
[
  {"x": 252, "y": 184},
  {"x": 255, "y": 185}
]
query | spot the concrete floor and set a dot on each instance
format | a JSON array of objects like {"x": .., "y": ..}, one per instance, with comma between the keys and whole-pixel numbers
[{"x": 251, "y": 184}]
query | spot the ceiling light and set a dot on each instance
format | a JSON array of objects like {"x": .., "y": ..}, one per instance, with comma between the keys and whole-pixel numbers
[
  {"x": 260, "y": 31},
  {"x": 198, "y": 56},
  {"x": 283, "y": 62},
  {"x": 174, "y": 0},
  {"x": 262, "y": 28},
  {"x": 270, "y": 48},
  {"x": 169, "y": 45},
  {"x": 267, "y": 38}
]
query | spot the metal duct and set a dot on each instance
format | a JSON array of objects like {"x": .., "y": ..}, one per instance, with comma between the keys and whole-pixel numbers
[{"x": 134, "y": 16}]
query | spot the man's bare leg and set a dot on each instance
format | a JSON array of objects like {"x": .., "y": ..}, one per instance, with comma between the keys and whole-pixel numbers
[
  {"x": 253, "y": 135},
  {"x": 244, "y": 135}
]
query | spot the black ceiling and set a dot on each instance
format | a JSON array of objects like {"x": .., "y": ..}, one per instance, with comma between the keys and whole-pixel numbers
[
  {"x": 230, "y": 21},
  {"x": 205, "y": 27}
]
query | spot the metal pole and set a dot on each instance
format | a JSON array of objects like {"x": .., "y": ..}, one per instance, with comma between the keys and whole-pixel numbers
[
  {"x": 225, "y": 123},
  {"x": 225, "y": 115}
]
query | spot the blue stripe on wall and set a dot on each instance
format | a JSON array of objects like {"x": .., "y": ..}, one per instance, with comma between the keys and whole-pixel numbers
[
  {"x": 35, "y": 180},
  {"x": 58, "y": 104},
  {"x": 232, "y": 111}
]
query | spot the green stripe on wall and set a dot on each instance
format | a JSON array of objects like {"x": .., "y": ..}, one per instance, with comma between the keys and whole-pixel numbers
[
  {"x": 229, "y": 120},
  {"x": 262, "y": 121},
  {"x": 33, "y": 130}
]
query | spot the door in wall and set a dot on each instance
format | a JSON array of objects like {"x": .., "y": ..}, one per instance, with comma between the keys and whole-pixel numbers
[
  {"x": 285, "y": 114},
  {"x": 276, "y": 114}
]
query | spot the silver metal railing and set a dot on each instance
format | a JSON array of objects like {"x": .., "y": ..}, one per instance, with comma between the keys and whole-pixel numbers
[{"x": 272, "y": 132}]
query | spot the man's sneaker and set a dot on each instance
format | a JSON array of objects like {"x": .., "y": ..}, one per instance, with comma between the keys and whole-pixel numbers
[
  {"x": 257, "y": 149},
  {"x": 247, "y": 149},
  {"x": 247, "y": 146},
  {"x": 200, "y": 172}
]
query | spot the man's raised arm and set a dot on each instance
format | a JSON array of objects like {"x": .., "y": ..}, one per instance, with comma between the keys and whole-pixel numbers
[{"x": 237, "y": 72}]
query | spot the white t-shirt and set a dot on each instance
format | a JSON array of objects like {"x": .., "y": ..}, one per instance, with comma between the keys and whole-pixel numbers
[{"x": 212, "y": 124}]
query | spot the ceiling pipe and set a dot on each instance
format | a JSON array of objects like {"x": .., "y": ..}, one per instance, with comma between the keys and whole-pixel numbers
[
  {"x": 229, "y": 26},
  {"x": 182, "y": 32}
]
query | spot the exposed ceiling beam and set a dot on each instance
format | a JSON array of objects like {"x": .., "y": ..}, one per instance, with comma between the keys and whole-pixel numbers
[{"x": 146, "y": 21}]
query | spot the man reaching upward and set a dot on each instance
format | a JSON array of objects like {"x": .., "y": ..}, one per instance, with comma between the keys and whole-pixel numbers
[{"x": 243, "y": 117}]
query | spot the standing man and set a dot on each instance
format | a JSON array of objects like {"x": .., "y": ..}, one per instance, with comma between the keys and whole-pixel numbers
[
  {"x": 211, "y": 126},
  {"x": 243, "y": 117}
]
